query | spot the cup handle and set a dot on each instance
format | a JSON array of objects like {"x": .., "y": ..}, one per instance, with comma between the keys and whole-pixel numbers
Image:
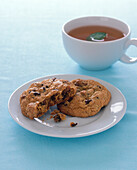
[{"x": 127, "y": 59}]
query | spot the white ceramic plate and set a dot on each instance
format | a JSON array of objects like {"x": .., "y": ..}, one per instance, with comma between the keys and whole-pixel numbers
[{"x": 105, "y": 119}]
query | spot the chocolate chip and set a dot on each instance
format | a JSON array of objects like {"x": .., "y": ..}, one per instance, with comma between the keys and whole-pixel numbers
[
  {"x": 87, "y": 101},
  {"x": 80, "y": 83},
  {"x": 36, "y": 94},
  {"x": 70, "y": 99},
  {"x": 77, "y": 84},
  {"x": 41, "y": 84},
  {"x": 72, "y": 124},
  {"x": 65, "y": 93},
  {"x": 53, "y": 97},
  {"x": 32, "y": 90},
  {"x": 103, "y": 107},
  {"x": 47, "y": 86},
  {"x": 22, "y": 97},
  {"x": 65, "y": 104},
  {"x": 64, "y": 96},
  {"x": 54, "y": 79},
  {"x": 99, "y": 86},
  {"x": 97, "y": 97},
  {"x": 65, "y": 81},
  {"x": 43, "y": 102},
  {"x": 44, "y": 89}
]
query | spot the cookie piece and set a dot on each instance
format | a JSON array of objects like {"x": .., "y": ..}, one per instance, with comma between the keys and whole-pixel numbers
[
  {"x": 72, "y": 124},
  {"x": 55, "y": 112},
  {"x": 90, "y": 97},
  {"x": 37, "y": 99},
  {"x": 58, "y": 117}
]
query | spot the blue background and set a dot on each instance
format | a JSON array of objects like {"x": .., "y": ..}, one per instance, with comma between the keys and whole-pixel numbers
[{"x": 30, "y": 47}]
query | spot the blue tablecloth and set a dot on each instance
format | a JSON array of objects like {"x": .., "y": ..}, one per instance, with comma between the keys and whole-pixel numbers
[{"x": 30, "y": 47}]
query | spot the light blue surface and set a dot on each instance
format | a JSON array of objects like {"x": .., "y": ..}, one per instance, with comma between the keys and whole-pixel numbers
[{"x": 31, "y": 47}]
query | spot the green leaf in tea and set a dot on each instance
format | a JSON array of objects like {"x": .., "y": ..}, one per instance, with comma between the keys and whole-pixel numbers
[{"x": 96, "y": 36}]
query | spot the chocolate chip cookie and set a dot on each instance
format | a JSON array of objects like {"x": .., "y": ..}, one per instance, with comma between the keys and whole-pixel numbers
[
  {"x": 37, "y": 99},
  {"x": 90, "y": 97}
]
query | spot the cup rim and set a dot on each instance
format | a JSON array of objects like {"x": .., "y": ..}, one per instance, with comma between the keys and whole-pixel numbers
[{"x": 112, "y": 41}]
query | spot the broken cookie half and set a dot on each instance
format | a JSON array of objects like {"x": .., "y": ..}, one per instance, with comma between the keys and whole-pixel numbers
[{"x": 38, "y": 98}]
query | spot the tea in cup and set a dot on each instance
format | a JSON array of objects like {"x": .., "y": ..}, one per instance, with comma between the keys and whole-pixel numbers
[{"x": 96, "y": 42}]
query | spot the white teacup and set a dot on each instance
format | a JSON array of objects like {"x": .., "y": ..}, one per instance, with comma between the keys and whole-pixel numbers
[{"x": 98, "y": 55}]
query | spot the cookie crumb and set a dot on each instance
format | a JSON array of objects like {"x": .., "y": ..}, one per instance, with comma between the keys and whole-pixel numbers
[
  {"x": 72, "y": 124},
  {"x": 51, "y": 117},
  {"x": 43, "y": 120},
  {"x": 54, "y": 112},
  {"x": 59, "y": 117},
  {"x": 88, "y": 101}
]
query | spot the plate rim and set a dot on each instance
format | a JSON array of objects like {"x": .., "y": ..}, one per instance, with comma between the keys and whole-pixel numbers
[{"x": 69, "y": 136}]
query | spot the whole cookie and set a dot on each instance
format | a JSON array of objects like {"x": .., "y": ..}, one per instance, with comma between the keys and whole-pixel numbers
[
  {"x": 37, "y": 99},
  {"x": 90, "y": 97}
]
